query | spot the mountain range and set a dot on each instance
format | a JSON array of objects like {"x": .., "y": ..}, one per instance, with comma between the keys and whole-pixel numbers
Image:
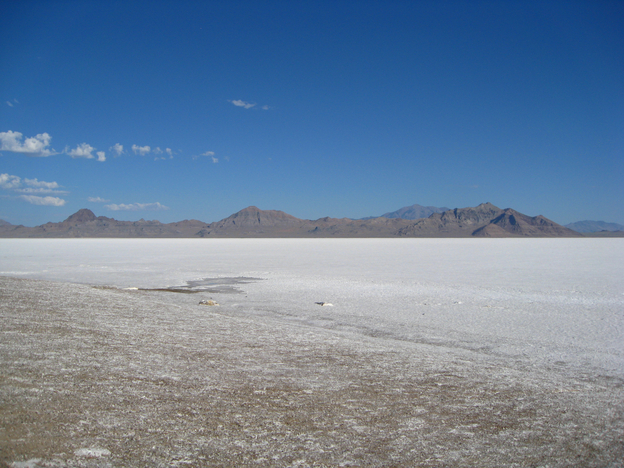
[
  {"x": 594, "y": 226},
  {"x": 485, "y": 220}
]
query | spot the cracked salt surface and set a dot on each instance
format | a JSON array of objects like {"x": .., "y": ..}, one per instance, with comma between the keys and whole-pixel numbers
[{"x": 445, "y": 352}]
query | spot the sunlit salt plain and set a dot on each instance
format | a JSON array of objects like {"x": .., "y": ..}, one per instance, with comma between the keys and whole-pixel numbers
[
  {"x": 445, "y": 352},
  {"x": 548, "y": 301}
]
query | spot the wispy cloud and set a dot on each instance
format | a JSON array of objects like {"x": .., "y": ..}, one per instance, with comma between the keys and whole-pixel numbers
[
  {"x": 210, "y": 154},
  {"x": 48, "y": 201},
  {"x": 30, "y": 186},
  {"x": 142, "y": 150},
  {"x": 163, "y": 155},
  {"x": 33, "y": 146},
  {"x": 246, "y": 105},
  {"x": 117, "y": 149},
  {"x": 10, "y": 103},
  {"x": 41, "y": 184},
  {"x": 137, "y": 207},
  {"x": 101, "y": 156},
  {"x": 97, "y": 200}
]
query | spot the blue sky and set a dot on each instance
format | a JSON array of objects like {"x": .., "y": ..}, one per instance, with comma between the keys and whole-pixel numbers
[{"x": 180, "y": 110}]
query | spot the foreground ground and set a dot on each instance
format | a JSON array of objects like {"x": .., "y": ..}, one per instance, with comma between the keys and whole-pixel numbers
[{"x": 109, "y": 377}]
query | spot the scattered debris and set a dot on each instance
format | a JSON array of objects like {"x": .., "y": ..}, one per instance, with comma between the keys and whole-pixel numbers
[
  {"x": 325, "y": 304},
  {"x": 209, "y": 302},
  {"x": 92, "y": 452}
]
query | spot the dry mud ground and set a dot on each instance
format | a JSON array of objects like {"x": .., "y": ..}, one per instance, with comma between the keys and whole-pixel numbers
[{"x": 96, "y": 377}]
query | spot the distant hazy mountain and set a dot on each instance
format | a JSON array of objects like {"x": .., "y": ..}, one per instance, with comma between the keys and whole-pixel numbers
[
  {"x": 4, "y": 223},
  {"x": 412, "y": 212},
  {"x": 594, "y": 226},
  {"x": 415, "y": 212},
  {"x": 485, "y": 220}
]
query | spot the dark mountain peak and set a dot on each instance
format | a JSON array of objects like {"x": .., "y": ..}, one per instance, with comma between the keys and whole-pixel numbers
[
  {"x": 253, "y": 216},
  {"x": 250, "y": 209},
  {"x": 487, "y": 206},
  {"x": 414, "y": 212},
  {"x": 515, "y": 223},
  {"x": 81, "y": 216}
]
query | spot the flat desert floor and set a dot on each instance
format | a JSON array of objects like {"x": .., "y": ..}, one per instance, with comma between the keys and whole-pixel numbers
[{"x": 433, "y": 353}]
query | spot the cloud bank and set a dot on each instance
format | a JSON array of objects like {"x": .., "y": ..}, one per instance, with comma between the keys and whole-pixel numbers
[
  {"x": 15, "y": 183},
  {"x": 48, "y": 201}
]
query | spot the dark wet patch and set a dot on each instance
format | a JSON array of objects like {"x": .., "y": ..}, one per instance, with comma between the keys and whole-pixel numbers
[{"x": 222, "y": 285}]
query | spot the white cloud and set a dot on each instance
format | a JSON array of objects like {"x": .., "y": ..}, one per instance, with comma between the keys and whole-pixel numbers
[
  {"x": 9, "y": 182},
  {"x": 10, "y": 103},
  {"x": 246, "y": 105},
  {"x": 101, "y": 156},
  {"x": 137, "y": 206},
  {"x": 169, "y": 152},
  {"x": 117, "y": 149},
  {"x": 157, "y": 150},
  {"x": 266, "y": 107},
  {"x": 33, "y": 146},
  {"x": 97, "y": 200},
  {"x": 83, "y": 150},
  {"x": 48, "y": 201},
  {"x": 142, "y": 150}
]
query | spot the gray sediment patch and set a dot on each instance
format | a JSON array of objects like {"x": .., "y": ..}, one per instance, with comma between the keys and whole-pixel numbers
[
  {"x": 220, "y": 285},
  {"x": 106, "y": 377}
]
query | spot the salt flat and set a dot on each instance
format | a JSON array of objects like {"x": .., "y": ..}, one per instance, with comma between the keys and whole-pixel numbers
[{"x": 445, "y": 352}]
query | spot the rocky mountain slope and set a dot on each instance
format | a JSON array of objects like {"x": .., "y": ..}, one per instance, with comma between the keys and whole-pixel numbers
[
  {"x": 411, "y": 212},
  {"x": 485, "y": 220}
]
